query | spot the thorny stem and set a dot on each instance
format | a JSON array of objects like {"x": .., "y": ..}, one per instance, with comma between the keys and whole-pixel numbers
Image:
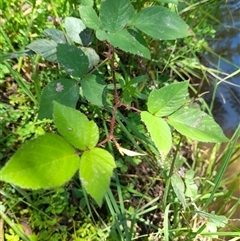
[{"x": 116, "y": 99}]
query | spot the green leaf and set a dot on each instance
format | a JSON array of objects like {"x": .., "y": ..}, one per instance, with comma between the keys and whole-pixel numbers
[
  {"x": 86, "y": 2},
  {"x": 74, "y": 27},
  {"x": 129, "y": 41},
  {"x": 96, "y": 166},
  {"x": 191, "y": 187},
  {"x": 159, "y": 132},
  {"x": 45, "y": 162},
  {"x": 160, "y": 23},
  {"x": 75, "y": 127},
  {"x": 115, "y": 15},
  {"x": 64, "y": 91},
  {"x": 94, "y": 89},
  {"x": 178, "y": 187},
  {"x": 73, "y": 60},
  {"x": 168, "y": 1},
  {"x": 56, "y": 35},
  {"x": 46, "y": 48},
  {"x": 89, "y": 17},
  {"x": 93, "y": 57},
  {"x": 168, "y": 99},
  {"x": 101, "y": 35},
  {"x": 197, "y": 125}
]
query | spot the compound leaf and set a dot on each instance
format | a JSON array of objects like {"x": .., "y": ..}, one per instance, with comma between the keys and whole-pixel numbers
[
  {"x": 75, "y": 127},
  {"x": 96, "y": 166},
  {"x": 45, "y": 162}
]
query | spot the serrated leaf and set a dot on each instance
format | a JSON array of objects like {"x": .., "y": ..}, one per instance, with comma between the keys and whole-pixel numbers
[
  {"x": 96, "y": 167},
  {"x": 115, "y": 15},
  {"x": 101, "y": 35},
  {"x": 45, "y": 162},
  {"x": 56, "y": 35},
  {"x": 94, "y": 89},
  {"x": 46, "y": 48},
  {"x": 89, "y": 17},
  {"x": 191, "y": 187},
  {"x": 196, "y": 125},
  {"x": 64, "y": 91},
  {"x": 168, "y": 99},
  {"x": 179, "y": 188},
  {"x": 93, "y": 57},
  {"x": 129, "y": 41},
  {"x": 72, "y": 59},
  {"x": 159, "y": 132},
  {"x": 160, "y": 23},
  {"x": 74, "y": 27},
  {"x": 75, "y": 127}
]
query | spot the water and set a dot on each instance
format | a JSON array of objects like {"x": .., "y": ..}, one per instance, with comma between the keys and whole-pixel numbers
[{"x": 226, "y": 109}]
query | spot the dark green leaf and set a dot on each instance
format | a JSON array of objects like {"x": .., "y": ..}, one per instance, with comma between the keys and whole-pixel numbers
[
  {"x": 115, "y": 15},
  {"x": 159, "y": 131},
  {"x": 73, "y": 60},
  {"x": 160, "y": 23},
  {"x": 46, "y": 48},
  {"x": 168, "y": 99},
  {"x": 197, "y": 125},
  {"x": 129, "y": 41},
  {"x": 64, "y": 91},
  {"x": 94, "y": 89},
  {"x": 75, "y": 127},
  {"x": 96, "y": 166},
  {"x": 45, "y": 162}
]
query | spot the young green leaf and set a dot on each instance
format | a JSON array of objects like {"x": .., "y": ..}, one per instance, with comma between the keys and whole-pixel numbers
[
  {"x": 89, "y": 17},
  {"x": 72, "y": 59},
  {"x": 168, "y": 99},
  {"x": 75, "y": 127},
  {"x": 94, "y": 89},
  {"x": 115, "y": 15},
  {"x": 129, "y": 41},
  {"x": 46, "y": 48},
  {"x": 96, "y": 166},
  {"x": 179, "y": 188},
  {"x": 45, "y": 162},
  {"x": 74, "y": 27},
  {"x": 197, "y": 125},
  {"x": 64, "y": 91},
  {"x": 160, "y": 23},
  {"x": 159, "y": 131},
  {"x": 191, "y": 186}
]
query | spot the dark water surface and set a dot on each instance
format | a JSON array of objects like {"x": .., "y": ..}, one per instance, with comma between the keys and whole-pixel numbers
[{"x": 226, "y": 45}]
